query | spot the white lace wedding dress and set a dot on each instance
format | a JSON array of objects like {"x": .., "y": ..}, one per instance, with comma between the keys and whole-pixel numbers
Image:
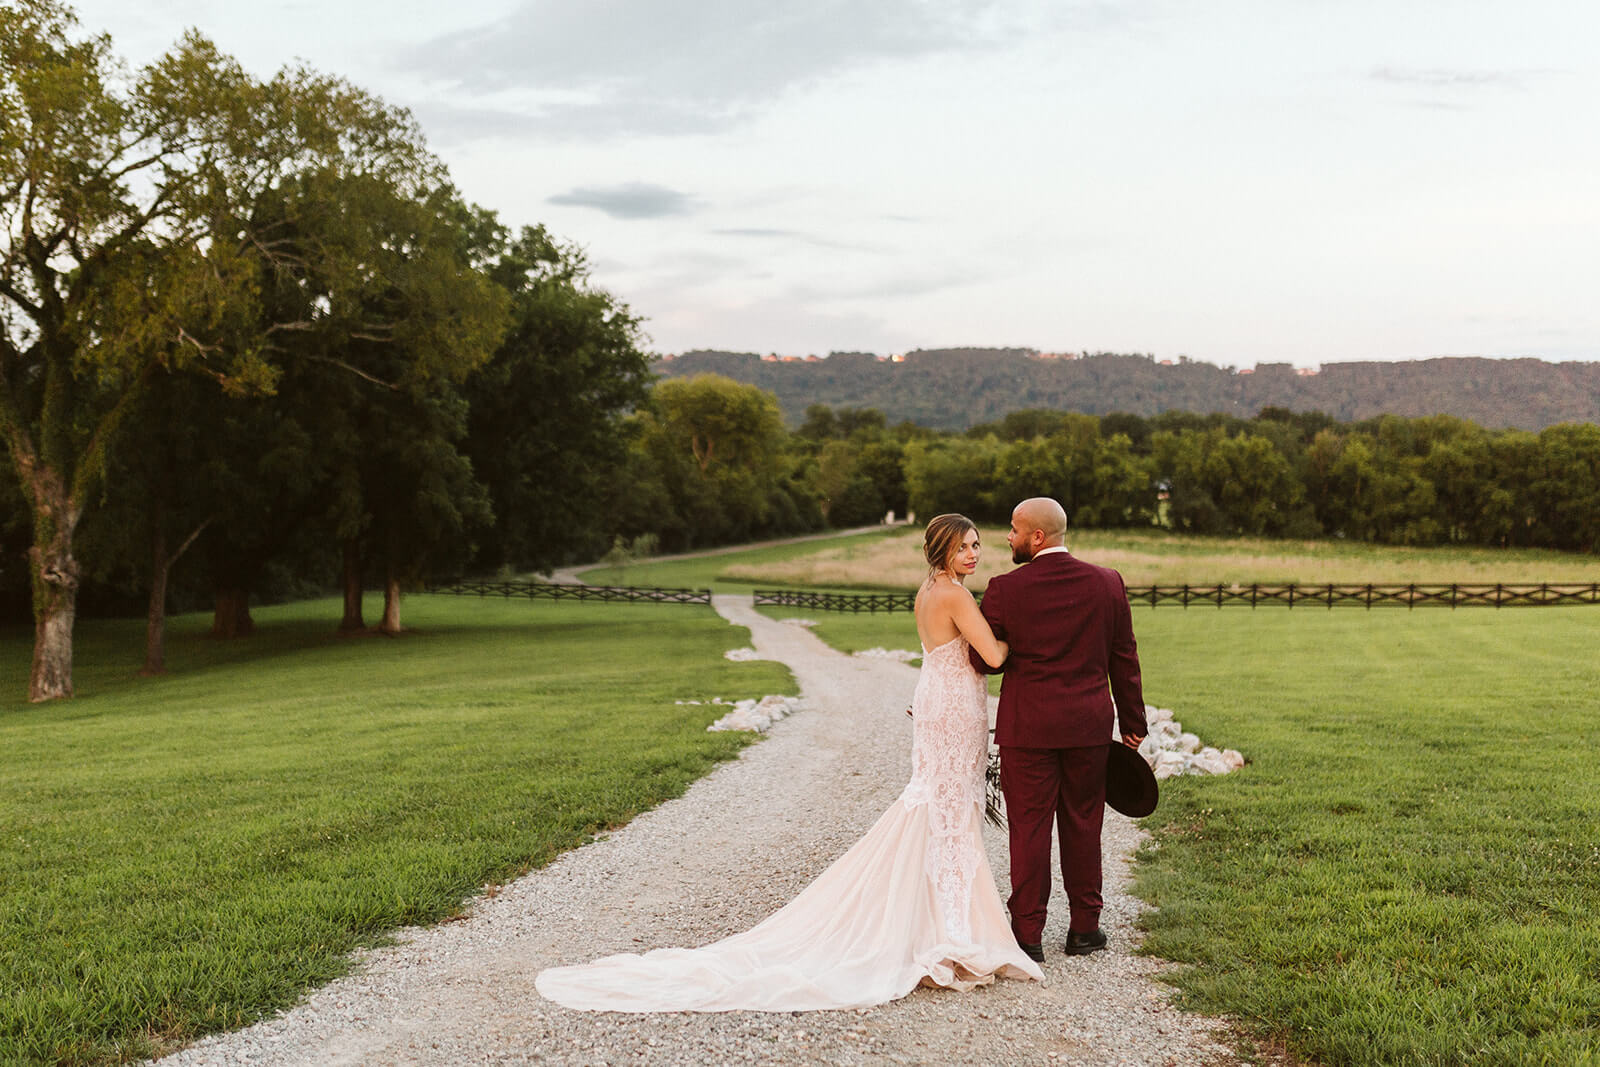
[{"x": 912, "y": 903}]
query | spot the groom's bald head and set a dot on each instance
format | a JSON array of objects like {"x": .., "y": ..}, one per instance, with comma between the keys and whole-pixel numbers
[
  {"x": 1037, "y": 523},
  {"x": 1045, "y": 515}
]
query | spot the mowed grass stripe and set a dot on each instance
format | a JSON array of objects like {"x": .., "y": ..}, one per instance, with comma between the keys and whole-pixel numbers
[
  {"x": 189, "y": 853},
  {"x": 1408, "y": 869}
]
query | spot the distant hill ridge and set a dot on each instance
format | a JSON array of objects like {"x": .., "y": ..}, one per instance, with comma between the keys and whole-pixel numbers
[{"x": 957, "y": 387}]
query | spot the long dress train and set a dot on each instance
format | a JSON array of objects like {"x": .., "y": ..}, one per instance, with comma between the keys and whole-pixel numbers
[{"x": 912, "y": 903}]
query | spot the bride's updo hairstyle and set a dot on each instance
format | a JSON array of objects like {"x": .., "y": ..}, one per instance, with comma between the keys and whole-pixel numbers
[{"x": 941, "y": 539}]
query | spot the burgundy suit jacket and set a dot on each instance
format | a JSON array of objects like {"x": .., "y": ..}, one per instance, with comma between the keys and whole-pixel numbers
[{"x": 1072, "y": 651}]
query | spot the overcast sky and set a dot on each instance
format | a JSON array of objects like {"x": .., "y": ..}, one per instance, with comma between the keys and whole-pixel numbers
[{"x": 1238, "y": 181}]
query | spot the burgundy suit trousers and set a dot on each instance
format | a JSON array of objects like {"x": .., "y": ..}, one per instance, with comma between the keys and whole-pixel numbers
[{"x": 1068, "y": 786}]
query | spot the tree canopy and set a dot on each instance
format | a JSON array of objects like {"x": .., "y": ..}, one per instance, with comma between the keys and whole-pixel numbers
[{"x": 255, "y": 304}]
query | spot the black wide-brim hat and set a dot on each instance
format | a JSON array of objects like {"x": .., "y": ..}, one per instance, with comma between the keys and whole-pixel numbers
[{"x": 1130, "y": 783}]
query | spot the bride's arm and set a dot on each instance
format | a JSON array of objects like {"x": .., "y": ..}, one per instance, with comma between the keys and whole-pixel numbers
[{"x": 975, "y": 628}]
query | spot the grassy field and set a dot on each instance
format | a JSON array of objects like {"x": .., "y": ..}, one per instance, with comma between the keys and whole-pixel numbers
[
  {"x": 187, "y": 853},
  {"x": 723, "y": 570},
  {"x": 1407, "y": 872},
  {"x": 1157, "y": 558},
  {"x": 1408, "y": 869}
]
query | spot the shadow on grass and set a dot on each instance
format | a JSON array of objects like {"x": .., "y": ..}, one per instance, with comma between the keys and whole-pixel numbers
[{"x": 109, "y": 653}]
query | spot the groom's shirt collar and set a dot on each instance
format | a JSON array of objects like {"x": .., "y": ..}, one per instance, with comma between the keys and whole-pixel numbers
[{"x": 1047, "y": 551}]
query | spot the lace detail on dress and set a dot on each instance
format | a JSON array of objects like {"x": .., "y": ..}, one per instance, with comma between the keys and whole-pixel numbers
[
  {"x": 949, "y": 755},
  {"x": 869, "y": 929}
]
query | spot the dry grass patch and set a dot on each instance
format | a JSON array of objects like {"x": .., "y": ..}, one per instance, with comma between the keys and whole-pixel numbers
[{"x": 1166, "y": 559}]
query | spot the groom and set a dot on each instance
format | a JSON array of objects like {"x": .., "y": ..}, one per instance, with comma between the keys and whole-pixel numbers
[{"x": 1072, "y": 651}]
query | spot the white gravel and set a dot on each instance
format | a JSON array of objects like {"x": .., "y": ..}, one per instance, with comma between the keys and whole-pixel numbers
[{"x": 737, "y": 845}]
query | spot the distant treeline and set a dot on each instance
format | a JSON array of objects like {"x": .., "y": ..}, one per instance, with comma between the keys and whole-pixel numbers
[
  {"x": 952, "y": 389},
  {"x": 710, "y": 461}
]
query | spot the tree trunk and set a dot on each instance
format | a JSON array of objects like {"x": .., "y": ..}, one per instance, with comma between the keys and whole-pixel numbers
[
  {"x": 391, "y": 606},
  {"x": 352, "y": 588},
  {"x": 55, "y": 606},
  {"x": 155, "y": 626},
  {"x": 232, "y": 615},
  {"x": 161, "y": 564}
]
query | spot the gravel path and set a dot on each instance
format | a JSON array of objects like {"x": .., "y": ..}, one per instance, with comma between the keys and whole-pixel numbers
[{"x": 739, "y": 843}]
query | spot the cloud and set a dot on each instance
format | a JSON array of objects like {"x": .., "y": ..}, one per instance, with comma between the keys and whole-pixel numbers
[
  {"x": 756, "y": 231},
  {"x": 447, "y": 124},
  {"x": 675, "y": 66},
  {"x": 769, "y": 233},
  {"x": 1443, "y": 78},
  {"x": 540, "y": 115},
  {"x": 891, "y": 287},
  {"x": 633, "y": 200},
  {"x": 1448, "y": 89}
]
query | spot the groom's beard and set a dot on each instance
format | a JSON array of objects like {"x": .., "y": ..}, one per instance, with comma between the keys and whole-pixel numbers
[{"x": 1022, "y": 554}]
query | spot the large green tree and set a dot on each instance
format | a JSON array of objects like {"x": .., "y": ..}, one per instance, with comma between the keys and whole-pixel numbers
[
  {"x": 158, "y": 497},
  {"x": 1221, "y": 484},
  {"x": 363, "y": 406},
  {"x": 545, "y": 434},
  {"x": 379, "y": 380},
  {"x": 709, "y": 465},
  {"x": 1567, "y": 490},
  {"x": 130, "y": 244},
  {"x": 955, "y": 475}
]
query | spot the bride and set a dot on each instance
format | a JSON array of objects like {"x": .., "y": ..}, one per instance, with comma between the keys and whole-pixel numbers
[{"x": 912, "y": 903}]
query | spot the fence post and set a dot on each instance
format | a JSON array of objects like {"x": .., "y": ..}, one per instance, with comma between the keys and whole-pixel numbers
[{"x": 1544, "y": 593}]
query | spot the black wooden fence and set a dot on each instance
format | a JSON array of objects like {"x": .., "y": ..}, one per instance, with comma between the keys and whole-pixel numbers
[
  {"x": 551, "y": 591},
  {"x": 1453, "y": 595},
  {"x": 805, "y": 598},
  {"x": 1414, "y": 595}
]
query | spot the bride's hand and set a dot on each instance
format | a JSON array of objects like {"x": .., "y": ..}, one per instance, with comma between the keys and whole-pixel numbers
[{"x": 1005, "y": 650}]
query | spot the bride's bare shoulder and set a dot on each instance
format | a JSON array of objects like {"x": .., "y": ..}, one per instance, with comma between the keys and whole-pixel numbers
[{"x": 942, "y": 596}]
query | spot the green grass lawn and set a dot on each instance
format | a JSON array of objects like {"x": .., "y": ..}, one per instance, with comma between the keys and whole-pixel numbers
[
  {"x": 709, "y": 572},
  {"x": 187, "y": 853},
  {"x": 1408, "y": 869}
]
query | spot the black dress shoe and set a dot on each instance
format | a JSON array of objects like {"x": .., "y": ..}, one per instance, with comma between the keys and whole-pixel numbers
[
  {"x": 1083, "y": 944},
  {"x": 1034, "y": 952}
]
